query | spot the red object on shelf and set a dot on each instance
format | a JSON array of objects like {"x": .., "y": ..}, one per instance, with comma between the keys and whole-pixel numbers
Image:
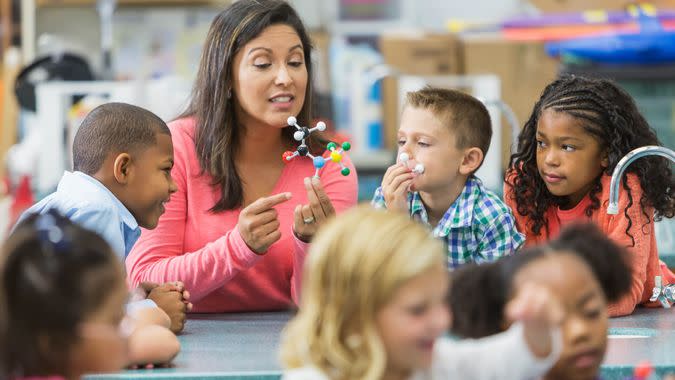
[
  {"x": 643, "y": 369},
  {"x": 23, "y": 199}
]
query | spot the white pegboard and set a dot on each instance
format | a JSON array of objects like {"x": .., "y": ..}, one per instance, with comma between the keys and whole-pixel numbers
[{"x": 166, "y": 97}]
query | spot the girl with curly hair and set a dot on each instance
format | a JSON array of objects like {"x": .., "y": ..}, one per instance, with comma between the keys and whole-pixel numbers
[{"x": 578, "y": 131}]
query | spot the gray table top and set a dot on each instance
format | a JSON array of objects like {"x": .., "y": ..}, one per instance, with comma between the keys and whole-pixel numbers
[
  {"x": 222, "y": 346},
  {"x": 245, "y": 346}
]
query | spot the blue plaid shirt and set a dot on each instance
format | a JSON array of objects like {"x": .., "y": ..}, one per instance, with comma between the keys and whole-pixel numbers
[{"x": 478, "y": 227}]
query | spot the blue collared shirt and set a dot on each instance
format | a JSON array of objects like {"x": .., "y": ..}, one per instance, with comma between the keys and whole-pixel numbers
[
  {"x": 478, "y": 226},
  {"x": 87, "y": 202}
]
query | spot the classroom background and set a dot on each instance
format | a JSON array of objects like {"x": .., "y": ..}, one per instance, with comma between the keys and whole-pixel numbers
[{"x": 61, "y": 58}]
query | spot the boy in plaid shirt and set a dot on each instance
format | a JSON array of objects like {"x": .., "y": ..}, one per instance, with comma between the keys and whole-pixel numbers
[{"x": 445, "y": 135}]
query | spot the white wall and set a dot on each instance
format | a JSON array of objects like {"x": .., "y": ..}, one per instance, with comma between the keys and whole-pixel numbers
[
  {"x": 80, "y": 29},
  {"x": 436, "y": 13},
  {"x": 79, "y": 26},
  {"x": 426, "y": 13}
]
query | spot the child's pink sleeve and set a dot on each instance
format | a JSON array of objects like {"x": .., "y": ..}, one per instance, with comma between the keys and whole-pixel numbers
[
  {"x": 343, "y": 192},
  {"x": 639, "y": 254}
]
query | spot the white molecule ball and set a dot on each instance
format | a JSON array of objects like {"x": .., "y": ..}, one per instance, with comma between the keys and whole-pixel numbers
[
  {"x": 298, "y": 135},
  {"x": 291, "y": 120},
  {"x": 404, "y": 157},
  {"x": 321, "y": 126},
  {"x": 419, "y": 169}
]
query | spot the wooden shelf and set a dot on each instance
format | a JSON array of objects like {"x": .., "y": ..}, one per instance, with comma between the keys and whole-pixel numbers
[{"x": 152, "y": 3}]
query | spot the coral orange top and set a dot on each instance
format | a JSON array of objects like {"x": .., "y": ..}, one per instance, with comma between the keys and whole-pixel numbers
[{"x": 643, "y": 254}]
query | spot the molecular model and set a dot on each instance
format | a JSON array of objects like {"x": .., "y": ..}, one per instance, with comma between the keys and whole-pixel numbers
[
  {"x": 405, "y": 157},
  {"x": 302, "y": 133}
]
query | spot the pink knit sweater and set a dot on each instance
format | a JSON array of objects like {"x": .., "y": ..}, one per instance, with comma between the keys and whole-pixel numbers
[{"x": 206, "y": 251}]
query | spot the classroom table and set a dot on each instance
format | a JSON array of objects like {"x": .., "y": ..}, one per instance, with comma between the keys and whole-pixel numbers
[
  {"x": 245, "y": 346},
  {"x": 668, "y": 258},
  {"x": 648, "y": 334}
]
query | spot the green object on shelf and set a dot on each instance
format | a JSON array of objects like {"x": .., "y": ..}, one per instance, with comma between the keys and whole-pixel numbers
[{"x": 656, "y": 101}]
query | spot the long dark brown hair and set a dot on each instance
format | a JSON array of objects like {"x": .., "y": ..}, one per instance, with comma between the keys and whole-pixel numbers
[{"x": 217, "y": 132}]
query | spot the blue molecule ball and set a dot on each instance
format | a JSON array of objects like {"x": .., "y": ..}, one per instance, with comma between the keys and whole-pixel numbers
[{"x": 319, "y": 162}]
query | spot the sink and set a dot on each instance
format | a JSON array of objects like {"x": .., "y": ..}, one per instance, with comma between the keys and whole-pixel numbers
[{"x": 630, "y": 333}]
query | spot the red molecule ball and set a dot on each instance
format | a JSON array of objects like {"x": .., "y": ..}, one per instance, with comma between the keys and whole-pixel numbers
[{"x": 287, "y": 156}]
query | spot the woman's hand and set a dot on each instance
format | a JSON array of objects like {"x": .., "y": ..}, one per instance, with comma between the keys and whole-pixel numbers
[
  {"x": 259, "y": 222},
  {"x": 308, "y": 218}
]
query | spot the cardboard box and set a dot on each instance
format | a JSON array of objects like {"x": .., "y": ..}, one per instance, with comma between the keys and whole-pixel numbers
[
  {"x": 321, "y": 43},
  {"x": 422, "y": 53},
  {"x": 415, "y": 53},
  {"x": 523, "y": 67},
  {"x": 390, "y": 113},
  {"x": 584, "y": 5}
]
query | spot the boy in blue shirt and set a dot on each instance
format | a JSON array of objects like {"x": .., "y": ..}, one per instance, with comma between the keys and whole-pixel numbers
[{"x": 122, "y": 160}]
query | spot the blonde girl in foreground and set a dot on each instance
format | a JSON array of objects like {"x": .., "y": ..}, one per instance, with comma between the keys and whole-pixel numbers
[{"x": 373, "y": 306}]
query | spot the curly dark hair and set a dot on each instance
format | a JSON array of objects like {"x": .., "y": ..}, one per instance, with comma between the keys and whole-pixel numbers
[
  {"x": 614, "y": 120},
  {"x": 479, "y": 293}
]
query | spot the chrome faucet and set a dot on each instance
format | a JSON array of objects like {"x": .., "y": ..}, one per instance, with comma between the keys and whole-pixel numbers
[
  {"x": 663, "y": 294},
  {"x": 650, "y": 150}
]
